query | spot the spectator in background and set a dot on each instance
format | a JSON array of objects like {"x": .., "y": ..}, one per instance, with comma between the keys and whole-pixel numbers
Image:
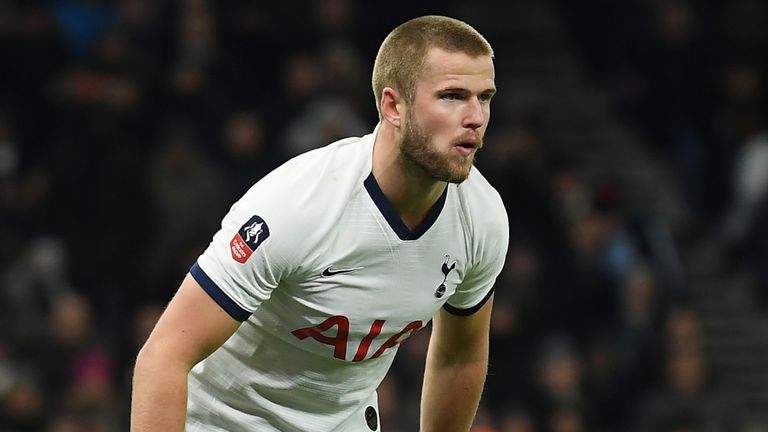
[
  {"x": 183, "y": 182},
  {"x": 623, "y": 358},
  {"x": 560, "y": 400},
  {"x": 516, "y": 419},
  {"x": 33, "y": 285},
  {"x": 23, "y": 405},
  {"x": 333, "y": 112},
  {"x": 72, "y": 364},
  {"x": 195, "y": 50},
  {"x": 607, "y": 381},
  {"x": 245, "y": 156},
  {"x": 566, "y": 419},
  {"x": 91, "y": 395},
  {"x": 69, "y": 337},
  {"x": 745, "y": 225},
  {"x": 682, "y": 331},
  {"x": 684, "y": 399}
]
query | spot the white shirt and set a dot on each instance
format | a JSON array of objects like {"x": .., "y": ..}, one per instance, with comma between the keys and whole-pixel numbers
[{"x": 328, "y": 281}]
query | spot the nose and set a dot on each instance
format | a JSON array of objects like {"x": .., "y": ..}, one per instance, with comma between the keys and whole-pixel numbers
[{"x": 475, "y": 116}]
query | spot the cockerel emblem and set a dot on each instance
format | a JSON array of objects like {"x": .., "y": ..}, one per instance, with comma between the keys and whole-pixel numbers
[{"x": 447, "y": 267}]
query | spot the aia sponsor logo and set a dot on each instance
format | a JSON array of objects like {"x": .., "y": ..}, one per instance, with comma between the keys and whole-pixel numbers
[
  {"x": 323, "y": 333},
  {"x": 248, "y": 238}
]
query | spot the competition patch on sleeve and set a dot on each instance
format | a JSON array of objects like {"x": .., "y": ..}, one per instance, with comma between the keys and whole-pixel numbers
[{"x": 248, "y": 238}]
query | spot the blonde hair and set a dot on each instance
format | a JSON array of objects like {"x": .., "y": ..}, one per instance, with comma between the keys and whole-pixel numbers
[{"x": 403, "y": 53}]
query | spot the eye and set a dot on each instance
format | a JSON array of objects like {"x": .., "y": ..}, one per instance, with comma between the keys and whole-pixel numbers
[
  {"x": 486, "y": 97},
  {"x": 451, "y": 96}
]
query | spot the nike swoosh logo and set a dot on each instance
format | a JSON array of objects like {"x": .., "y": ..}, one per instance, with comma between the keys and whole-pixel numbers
[{"x": 330, "y": 272}]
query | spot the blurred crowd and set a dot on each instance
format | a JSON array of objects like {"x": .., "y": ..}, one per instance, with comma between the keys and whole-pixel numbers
[{"x": 128, "y": 127}]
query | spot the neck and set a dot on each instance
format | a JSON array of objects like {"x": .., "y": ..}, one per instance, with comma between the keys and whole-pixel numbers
[{"x": 411, "y": 191}]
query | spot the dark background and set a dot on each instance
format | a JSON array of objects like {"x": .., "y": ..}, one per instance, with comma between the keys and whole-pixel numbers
[{"x": 628, "y": 140}]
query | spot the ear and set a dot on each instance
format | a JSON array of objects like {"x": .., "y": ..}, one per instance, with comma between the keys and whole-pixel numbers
[{"x": 392, "y": 106}]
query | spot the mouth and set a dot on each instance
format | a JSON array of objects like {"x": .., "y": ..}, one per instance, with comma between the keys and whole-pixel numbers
[{"x": 466, "y": 146}]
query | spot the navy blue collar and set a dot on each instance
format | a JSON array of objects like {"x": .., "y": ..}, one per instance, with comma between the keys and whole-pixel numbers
[{"x": 393, "y": 218}]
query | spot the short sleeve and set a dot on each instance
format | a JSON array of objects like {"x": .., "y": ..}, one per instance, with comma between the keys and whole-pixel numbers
[
  {"x": 274, "y": 230},
  {"x": 489, "y": 255},
  {"x": 245, "y": 261}
]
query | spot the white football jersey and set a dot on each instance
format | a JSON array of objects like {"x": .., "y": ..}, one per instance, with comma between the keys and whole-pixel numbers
[{"x": 329, "y": 281}]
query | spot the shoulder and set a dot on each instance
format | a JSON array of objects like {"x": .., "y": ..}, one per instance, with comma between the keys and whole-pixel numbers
[
  {"x": 329, "y": 163},
  {"x": 481, "y": 204},
  {"x": 305, "y": 178},
  {"x": 310, "y": 188}
]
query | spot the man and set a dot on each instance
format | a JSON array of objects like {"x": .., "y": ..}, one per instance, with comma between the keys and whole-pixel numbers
[{"x": 292, "y": 316}]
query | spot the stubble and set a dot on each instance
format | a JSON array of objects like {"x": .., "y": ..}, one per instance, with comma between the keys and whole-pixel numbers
[{"x": 418, "y": 150}]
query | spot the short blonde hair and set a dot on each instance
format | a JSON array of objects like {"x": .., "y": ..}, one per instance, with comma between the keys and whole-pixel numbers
[{"x": 403, "y": 53}]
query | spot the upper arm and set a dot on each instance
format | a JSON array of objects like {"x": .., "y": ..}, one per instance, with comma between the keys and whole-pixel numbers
[
  {"x": 191, "y": 327},
  {"x": 458, "y": 338}
]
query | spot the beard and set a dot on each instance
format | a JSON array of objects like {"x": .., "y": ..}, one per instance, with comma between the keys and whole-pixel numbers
[{"x": 418, "y": 149}]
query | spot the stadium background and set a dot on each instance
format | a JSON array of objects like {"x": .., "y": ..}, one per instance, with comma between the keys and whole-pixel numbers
[{"x": 627, "y": 139}]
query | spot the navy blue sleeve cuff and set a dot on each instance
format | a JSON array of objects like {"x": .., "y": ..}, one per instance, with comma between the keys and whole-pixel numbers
[
  {"x": 218, "y": 295},
  {"x": 469, "y": 311}
]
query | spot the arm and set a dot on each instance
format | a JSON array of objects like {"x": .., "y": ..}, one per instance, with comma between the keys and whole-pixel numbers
[
  {"x": 457, "y": 362},
  {"x": 190, "y": 329}
]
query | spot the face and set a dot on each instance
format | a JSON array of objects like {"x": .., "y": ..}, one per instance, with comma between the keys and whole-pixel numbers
[{"x": 444, "y": 125}]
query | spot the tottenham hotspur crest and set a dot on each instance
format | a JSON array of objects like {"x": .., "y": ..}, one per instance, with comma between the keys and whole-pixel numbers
[
  {"x": 447, "y": 267},
  {"x": 248, "y": 238}
]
